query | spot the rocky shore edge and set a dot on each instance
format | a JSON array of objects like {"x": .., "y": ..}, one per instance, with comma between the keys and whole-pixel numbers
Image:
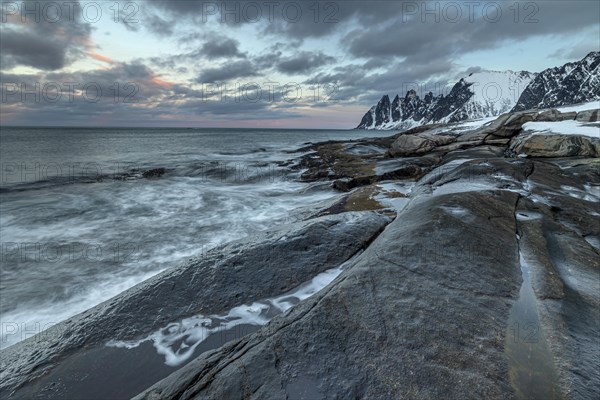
[{"x": 471, "y": 270}]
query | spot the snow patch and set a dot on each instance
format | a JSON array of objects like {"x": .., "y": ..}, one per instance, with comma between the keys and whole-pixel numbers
[
  {"x": 570, "y": 127},
  {"x": 592, "y": 105},
  {"x": 590, "y": 194}
]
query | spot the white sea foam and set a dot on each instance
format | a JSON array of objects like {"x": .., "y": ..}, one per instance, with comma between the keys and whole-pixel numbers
[
  {"x": 31, "y": 319},
  {"x": 178, "y": 340},
  {"x": 163, "y": 222},
  {"x": 463, "y": 187},
  {"x": 397, "y": 203}
]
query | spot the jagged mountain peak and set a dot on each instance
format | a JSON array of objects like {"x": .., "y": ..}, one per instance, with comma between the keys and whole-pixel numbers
[
  {"x": 488, "y": 93},
  {"x": 571, "y": 83},
  {"x": 385, "y": 99},
  {"x": 593, "y": 56},
  {"x": 469, "y": 99}
]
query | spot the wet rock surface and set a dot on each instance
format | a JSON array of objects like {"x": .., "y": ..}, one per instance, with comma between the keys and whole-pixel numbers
[
  {"x": 238, "y": 273},
  {"x": 423, "y": 313},
  {"x": 154, "y": 173},
  {"x": 485, "y": 285}
]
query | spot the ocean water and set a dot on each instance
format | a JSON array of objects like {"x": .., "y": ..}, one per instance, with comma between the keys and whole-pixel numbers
[{"x": 80, "y": 224}]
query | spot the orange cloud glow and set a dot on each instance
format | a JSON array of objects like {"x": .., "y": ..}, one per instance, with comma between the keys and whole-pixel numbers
[
  {"x": 97, "y": 56},
  {"x": 160, "y": 82}
]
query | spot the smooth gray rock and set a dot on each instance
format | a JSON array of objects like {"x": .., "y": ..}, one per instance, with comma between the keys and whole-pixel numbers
[
  {"x": 419, "y": 143},
  {"x": 408, "y": 145},
  {"x": 553, "y": 145},
  {"x": 553, "y": 115},
  {"x": 421, "y": 314},
  {"x": 424, "y": 312},
  {"x": 238, "y": 273},
  {"x": 588, "y": 116}
]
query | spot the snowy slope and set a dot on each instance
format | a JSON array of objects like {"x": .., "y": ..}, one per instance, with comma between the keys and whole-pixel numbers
[{"x": 494, "y": 93}]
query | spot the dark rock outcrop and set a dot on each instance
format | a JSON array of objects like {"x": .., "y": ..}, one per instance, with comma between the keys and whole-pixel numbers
[
  {"x": 503, "y": 130},
  {"x": 405, "y": 321},
  {"x": 154, "y": 173},
  {"x": 431, "y": 308},
  {"x": 410, "y": 145}
]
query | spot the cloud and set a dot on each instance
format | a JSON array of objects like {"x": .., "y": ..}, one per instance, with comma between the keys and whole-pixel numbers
[
  {"x": 158, "y": 25},
  {"x": 220, "y": 47},
  {"x": 28, "y": 48},
  {"x": 227, "y": 71},
  {"x": 578, "y": 51},
  {"x": 97, "y": 56},
  {"x": 420, "y": 37},
  {"x": 47, "y": 44},
  {"x": 126, "y": 92},
  {"x": 303, "y": 62},
  {"x": 380, "y": 47},
  {"x": 356, "y": 83}
]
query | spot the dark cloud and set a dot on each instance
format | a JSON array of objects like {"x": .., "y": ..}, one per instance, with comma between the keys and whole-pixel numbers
[
  {"x": 214, "y": 46},
  {"x": 387, "y": 47},
  {"x": 320, "y": 19},
  {"x": 577, "y": 52},
  {"x": 227, "y": 71},
  {"x": 71, "y": 98},
  {"x": 220, "y": 47},
  {"x": 160, "y": 26},
  {"x": 163, "y": 62},
  {"x": 27, "y": 48},
  {"x": 358, "y": 83},
  {"x": 50, "y": 43},
  {"x": 420, "y": 36},
  {"x": 294, "y": 19},
  {"x": 303, "y": 62},
  {"x": 467, "y": 72},
  {"x": 180, "y": 7}
]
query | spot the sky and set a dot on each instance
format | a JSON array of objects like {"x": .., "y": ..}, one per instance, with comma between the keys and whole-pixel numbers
[{"x": 263, "y": 64}]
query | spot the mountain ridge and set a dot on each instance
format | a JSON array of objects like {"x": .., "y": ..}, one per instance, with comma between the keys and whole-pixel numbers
[
  {"x": 485, "y": 94},
  {"x": 571, "y": 83}
]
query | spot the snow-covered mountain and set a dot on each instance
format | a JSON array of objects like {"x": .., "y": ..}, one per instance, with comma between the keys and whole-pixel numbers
[
  {"x": 480, "y": 95},
  {"x": 573, "y": 83}
]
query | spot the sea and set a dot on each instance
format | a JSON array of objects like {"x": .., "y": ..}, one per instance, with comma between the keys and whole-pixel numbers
[{"x": 80, "y": 223}]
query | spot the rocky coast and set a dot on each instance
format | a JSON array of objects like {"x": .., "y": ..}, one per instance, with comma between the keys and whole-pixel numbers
[{"x": 459, "y": 261}]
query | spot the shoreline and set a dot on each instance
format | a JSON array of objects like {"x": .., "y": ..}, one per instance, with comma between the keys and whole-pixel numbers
[{"x": 441, "y": 256}]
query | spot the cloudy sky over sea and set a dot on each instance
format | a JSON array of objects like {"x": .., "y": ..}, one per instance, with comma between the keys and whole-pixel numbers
[{"x": 277, "y": 64}]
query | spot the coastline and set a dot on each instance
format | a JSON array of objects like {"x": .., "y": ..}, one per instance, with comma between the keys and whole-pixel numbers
[{"x": 422, "y": 311}]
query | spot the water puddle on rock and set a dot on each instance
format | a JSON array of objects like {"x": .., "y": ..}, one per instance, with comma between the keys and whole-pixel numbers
[{"x": 532, "y": 371}]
